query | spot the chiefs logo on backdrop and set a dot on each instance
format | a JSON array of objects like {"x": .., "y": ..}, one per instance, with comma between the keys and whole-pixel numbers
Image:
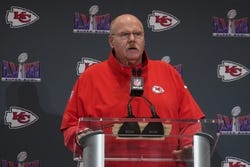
[
  {"x": 230, "y": 71},
  {"x": 161, "y": 21},
  {"x": 234, "y": 162},
  {"x": 18, "y": 117},
  {"x": 84, "y": 64},
  {"x": 20, "y": 17}
]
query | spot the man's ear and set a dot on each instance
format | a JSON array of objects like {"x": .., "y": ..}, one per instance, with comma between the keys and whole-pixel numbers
[{"x": 111, "y": 40}]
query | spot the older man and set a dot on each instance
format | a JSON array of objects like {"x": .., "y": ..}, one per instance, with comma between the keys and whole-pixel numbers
[{"x": 103, "y": 90}]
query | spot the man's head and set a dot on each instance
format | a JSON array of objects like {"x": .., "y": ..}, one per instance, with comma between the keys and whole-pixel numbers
[{"x": 127, "y": 39}]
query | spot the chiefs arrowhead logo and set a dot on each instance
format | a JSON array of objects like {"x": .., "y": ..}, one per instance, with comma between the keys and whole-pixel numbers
[
  {"x": 234, "y": 162},
  {"x": 231, "y": 71},
  {"x": 84, "y": 64},
  {"x": 20, "y": 17},
  {"x": 18, "y": 117},
  {"x": 160, "y": 21}
]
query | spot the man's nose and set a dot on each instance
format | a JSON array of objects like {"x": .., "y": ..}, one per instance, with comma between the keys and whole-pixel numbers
[{"x": 131, "y": 37}]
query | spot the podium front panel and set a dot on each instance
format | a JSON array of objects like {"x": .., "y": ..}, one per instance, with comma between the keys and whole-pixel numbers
[{"x": 145, "y": 139}]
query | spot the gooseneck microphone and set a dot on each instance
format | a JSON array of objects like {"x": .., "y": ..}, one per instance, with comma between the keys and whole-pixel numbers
[
  {"x": 129, "y": 108},
  {"x": 129, "y": 129},
  {"x": 152, "y": 108},
  {"x": 137, "y": 89},
  {"x": 132, "y": 129}
]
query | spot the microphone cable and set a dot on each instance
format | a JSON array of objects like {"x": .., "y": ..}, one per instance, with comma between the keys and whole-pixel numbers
[{"x": 132, "y": 129}]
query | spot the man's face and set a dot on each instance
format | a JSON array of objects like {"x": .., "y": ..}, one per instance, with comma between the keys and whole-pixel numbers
[{"x": 127, "y": 39}]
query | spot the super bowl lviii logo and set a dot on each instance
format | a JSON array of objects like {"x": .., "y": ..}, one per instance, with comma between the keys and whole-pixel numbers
[
  {"x": 23, "y": 71},
  {"x": 92, "y": 23},
  {"x": 230, "y": 71},
  {"x": 231, "y": 26},
  {"x": 235, "y": 125},
  {"x": 19, "y": 17},
  {"x": 161, "y": 21},
  {"x": 21, "y": 161}
]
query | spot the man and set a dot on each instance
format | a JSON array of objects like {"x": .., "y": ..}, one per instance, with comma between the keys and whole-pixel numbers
[{"x": 103, "y": 90}]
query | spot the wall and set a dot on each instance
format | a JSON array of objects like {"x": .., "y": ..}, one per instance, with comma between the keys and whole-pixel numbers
[{"x": 215, "y": 66}]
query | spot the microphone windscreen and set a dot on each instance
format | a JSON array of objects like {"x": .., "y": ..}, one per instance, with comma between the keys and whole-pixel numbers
[
  {"x": 153, "y": 129},
  {"x": 136, "y": 86},
  {"x": 129, "y": 129}
]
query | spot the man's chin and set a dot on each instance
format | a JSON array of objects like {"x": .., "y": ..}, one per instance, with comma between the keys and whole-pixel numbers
[
  {"x": 133, "y": 59},
  {"x": 133, "y": 62}
]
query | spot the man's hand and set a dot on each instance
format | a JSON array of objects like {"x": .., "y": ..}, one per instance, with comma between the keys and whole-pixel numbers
[{"x": 184, "y": 154}]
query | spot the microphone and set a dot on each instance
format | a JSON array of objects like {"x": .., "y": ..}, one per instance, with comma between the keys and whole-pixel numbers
[
  {"x": 153, "y": 129},
  {"x": 136, "y": 83},
  {"x": 132, "y": 129},
  {"x": 139, "y": 71},
  {"x": 129, "y": 129},
  {"x": 152, "y": 107},
  {"x": 137, "y": 89}
]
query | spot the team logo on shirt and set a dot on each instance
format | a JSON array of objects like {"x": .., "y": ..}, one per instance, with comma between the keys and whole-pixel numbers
[{"x": 157, "y": 89}]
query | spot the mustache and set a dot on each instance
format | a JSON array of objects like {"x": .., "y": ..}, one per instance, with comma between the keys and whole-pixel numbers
[{"x": 132, "y": 46}]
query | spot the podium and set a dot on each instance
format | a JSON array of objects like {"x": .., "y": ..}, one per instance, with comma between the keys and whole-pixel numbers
[{"x": 145, "y": 140}]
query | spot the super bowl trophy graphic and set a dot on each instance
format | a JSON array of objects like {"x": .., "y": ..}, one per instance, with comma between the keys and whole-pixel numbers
[
  {"x": 22, "y": 58},
  {"x": 93, "y": 10},
  {"x": 21, "y": 157},
  {"x": 231, "y": 26},
  {"x": 235, "y": 113}
]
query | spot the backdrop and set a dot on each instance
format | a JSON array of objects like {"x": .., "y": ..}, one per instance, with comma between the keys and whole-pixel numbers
[{"x": 46, "y": 45}]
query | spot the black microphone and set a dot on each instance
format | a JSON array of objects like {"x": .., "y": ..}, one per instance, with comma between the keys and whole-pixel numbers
[
  {"x": 136, "y": 83},
  {"x": 133, "y": 72},
  {"x": 139, "y": 71},
  {"x": 129, "y": 129},
  {"x": 132, "y": 129},
  {"x": 153, "y": 129},
  {"x": 152, "y": 107}
]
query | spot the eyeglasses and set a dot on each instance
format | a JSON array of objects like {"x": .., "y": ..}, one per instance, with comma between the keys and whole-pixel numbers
[{"x": 126, "y": 35}]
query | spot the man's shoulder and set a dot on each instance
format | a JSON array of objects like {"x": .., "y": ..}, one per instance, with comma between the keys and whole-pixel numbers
[
  {"x": 94, "y": 70},
  {"x": 163, "y": 67},
  {"x": 96, "y": 67},
  {"x": 159, "y": 64}
]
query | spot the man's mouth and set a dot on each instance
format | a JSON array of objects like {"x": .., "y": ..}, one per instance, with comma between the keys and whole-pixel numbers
[{"x": 132, "y": 48}]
